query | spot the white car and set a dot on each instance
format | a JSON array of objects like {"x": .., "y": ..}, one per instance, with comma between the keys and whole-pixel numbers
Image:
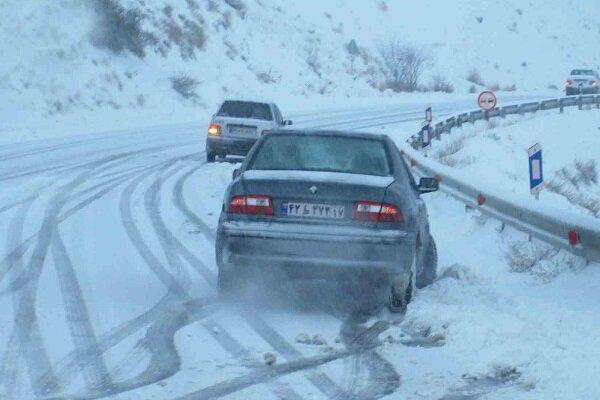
[
  {"x": 238, "y": 125},
  {"x": 582, "y": 81}
]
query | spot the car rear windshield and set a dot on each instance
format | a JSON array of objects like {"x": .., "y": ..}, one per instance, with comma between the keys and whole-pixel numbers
[
  {"x": 582, "y": 72},
  {"x": 245, "y": 109},
  {"x": 353, "y": 155}
]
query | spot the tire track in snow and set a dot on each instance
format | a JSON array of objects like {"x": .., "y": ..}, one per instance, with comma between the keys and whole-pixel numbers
[
  {"x": 31, "y": 344},
  {"x": 172, "y": 247},
  {"x": 233, "y": 347},
  {"x": 20, "y": 249},
  {"x": 42, "y": 377},
  {"x": 181, "y": 204},
  {"x": 320, "y": 380},
  {"x": 67, "y": 366},
  {"x": 9, "y": 372},
  {"x": 175, "y": 245},
  {"x": 382, "y": 377},
  {"x": 167, "y": 358},
  {"x": 159, "y": 339},
  {"x": 92, "y": 365}
]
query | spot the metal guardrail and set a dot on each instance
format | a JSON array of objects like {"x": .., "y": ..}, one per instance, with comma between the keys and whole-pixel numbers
[{"x": 551, "y": 225}]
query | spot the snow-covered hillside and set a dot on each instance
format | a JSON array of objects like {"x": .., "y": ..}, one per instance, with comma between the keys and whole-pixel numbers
[{"x": 74, "y": 64}]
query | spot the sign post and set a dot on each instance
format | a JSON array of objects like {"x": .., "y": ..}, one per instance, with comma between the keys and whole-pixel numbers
[
  {"x": 487, "y": 101},
  {"x": 428, "y": 115},
  {"x": 425, "y": 136},
  {"x": 536, "y": 173}
]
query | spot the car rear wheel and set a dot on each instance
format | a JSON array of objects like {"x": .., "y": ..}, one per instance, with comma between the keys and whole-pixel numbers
[
  {"x": 399, "y": 298},
  {"x": 226, "y": 281},
  {"x": 211, "y": 156},
  {"x": 429, "y": 267}
]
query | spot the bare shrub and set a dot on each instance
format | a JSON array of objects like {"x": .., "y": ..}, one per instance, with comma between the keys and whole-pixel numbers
[
  {"x": 440, "y": 84},
  {"x": 186, "y": 34},
  {"x": 573, "y": 183},
  {"x": 403, "y": 64},
  {"x": 541, "y": 260},
  {"x": 119, "y": 29},
  {"x": 494, "y": 87},
  {"x": 312, "y": 59},
  {"x": 492, "y": 124},
  {"x": 226, "y": 21},
  {"x": 509, "y": 88},
  {"x": 382, "y": 6},
  {"x": 523, "y": 256},
  {"x": 472, "y": 89},
  {"x": 446, "y": 154},
  {"x": 212, "y": 6},
  {"x": 192, "y": 5},
  {"x": 474, "y": 77},
  {"x": 185, "y": 85},
  {"x": 552, "y": 87},
  {"x": 239, "y": 6},
  {"x": 266, "y": 77},
  {"x": 587, "y": 171}
]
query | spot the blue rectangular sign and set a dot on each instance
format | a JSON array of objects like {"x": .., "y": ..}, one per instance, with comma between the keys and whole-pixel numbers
[
  {"x": 536, "y": 171},
  {"x": 425, "y": 137}
]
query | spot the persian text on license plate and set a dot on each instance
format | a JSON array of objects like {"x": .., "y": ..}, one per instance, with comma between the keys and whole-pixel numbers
[
  {"x": 239, "y": 130},
  {"x": 294, "y": 209}
]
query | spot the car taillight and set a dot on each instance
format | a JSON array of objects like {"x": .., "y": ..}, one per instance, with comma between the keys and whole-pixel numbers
[
  {"x": 568, "y": 82},
  {"x": 256, "y": 205},
  {"x": 214, "y": 129},
  {"x": 593, "y": 83},
  {"x": 377, "y": 212}
]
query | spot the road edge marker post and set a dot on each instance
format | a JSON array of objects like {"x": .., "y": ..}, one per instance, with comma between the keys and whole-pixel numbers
[{"x": 536, "y": 170}]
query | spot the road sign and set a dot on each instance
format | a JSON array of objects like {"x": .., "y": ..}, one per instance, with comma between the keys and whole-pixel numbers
[
  {"x": 487, "y": 100},
  {"x": 425, "y": 137},
  {"x": 428, "y": 114},
  {"x": 536, "y": 173}
]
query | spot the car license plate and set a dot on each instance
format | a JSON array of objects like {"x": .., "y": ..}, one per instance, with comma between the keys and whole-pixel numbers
[
  {"x": 242, "y": 130},
  {"x": 312, "y": 210}
]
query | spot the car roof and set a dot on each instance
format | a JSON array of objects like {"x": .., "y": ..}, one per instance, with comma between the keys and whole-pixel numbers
[
  {"x": 327, "y": 132},
  {"x": 248, "y": 101},
  {"x": 585, "y": 70}
]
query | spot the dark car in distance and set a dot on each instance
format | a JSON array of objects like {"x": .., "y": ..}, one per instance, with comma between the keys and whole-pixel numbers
[{"x": 326, "y": 205}]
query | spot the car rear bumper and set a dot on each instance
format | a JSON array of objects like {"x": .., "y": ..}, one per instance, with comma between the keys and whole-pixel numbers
[
  {"x": 229, "y": 145},
  {"x": 314, "y": 251},
  {"x": 582, "y": 90}
]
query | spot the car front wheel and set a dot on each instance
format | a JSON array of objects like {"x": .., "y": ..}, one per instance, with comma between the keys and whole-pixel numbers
[{"x": 211, "y": 156}]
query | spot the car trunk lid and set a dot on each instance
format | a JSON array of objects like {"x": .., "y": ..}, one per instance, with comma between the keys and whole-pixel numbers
[
  {"x": 242, "y": 127},
  {"x": 316, "y": 196}
]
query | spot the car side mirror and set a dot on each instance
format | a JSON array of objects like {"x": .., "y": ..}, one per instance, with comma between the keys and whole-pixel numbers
[
  {"x": 287, "y": 122},
  {"x": 235, "y": 174},
  {"x": 428, "y": 185}
]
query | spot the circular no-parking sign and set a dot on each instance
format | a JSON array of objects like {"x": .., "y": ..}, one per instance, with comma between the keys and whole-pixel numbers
[{"x": 487, "y": 100}]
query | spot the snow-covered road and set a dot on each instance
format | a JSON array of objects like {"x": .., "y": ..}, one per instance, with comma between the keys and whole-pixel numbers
[{"x": 107, "y": 290}]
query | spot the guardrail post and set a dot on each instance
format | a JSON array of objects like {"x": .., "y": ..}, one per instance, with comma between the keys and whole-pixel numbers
[
  {"x": 579, "y": 102},
  {"x": 486, "y": 115},
  {"x": 598, "y": 101},
  {"x": 561, "y": 105}
]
